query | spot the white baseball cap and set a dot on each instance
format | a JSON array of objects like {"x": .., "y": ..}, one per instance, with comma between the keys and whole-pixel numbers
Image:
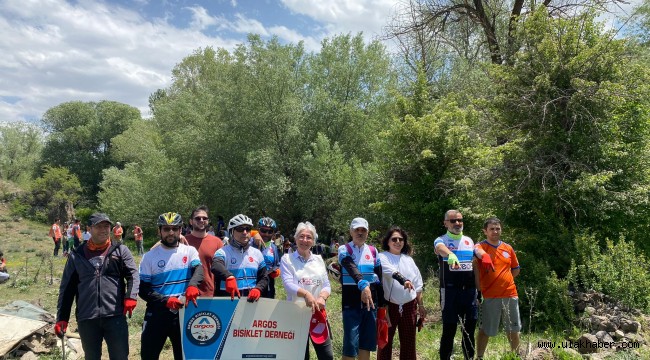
[{"x": 359, "y": 222}]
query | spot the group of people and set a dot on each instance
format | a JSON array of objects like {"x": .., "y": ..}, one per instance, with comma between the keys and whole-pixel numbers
[{"x": 381, "y": 291}]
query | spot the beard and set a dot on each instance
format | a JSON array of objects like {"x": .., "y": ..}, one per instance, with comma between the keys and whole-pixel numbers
[{"x": 171, "y": 240}]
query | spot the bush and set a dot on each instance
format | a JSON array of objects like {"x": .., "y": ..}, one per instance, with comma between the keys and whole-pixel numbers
[
  {"x": 620, "y": 270},
  {"x": 544, "y": 300}
]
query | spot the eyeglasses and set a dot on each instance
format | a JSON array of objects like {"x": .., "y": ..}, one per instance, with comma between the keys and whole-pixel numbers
[
  {"x": 266, "y": 231},
  {"x": 397, "y": 239},
  {"x": 453, "y": 221},
  {"x": 165, "y": 229},
  {"x": 200, "y": 218},
  {"x": 243, "y": 228}
]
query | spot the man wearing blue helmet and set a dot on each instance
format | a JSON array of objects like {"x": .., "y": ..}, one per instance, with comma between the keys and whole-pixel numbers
[{"x": 266, "y": 227}]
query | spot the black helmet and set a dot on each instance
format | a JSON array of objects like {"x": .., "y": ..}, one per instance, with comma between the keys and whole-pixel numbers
[{"x": 170, "y": 218}]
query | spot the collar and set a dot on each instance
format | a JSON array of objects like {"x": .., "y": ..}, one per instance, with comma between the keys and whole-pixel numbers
[
  {"x": 296, "y": 255},
  {"x": 454, "y": 236}
]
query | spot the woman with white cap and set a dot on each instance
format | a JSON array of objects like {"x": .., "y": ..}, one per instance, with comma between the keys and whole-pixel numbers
[{"x": 304, "y": 277}]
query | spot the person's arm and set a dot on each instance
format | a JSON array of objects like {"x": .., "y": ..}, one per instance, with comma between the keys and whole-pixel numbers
[
  {"x": 515, "y": 263},
  {"x": 130, "y": 273},
  {"x": 218, "y": 267},
  {"x": 262, "y": 276},
  {"x": 67, "y": 291},
  {"x": 197, "y": 274},
  {"x": 286, "y": 272}
]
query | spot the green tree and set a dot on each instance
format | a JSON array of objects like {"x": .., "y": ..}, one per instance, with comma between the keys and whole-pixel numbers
[
  {"x": 20, "y": 149},
  {"x": 53, "y": 195},
  {"x": 571, "y": 128},
  {"x": 80, "y": 138}
]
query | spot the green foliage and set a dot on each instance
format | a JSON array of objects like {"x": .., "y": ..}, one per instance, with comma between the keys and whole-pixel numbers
[
  {"x": 52, "y": 195},
  {"x": 544, "y": 300},
  {"x": 20, "y": 149},
  {"x": 80, "y": 138},
  {"x": 264, "y": 129},
  {"x": 619, "y": 270}
]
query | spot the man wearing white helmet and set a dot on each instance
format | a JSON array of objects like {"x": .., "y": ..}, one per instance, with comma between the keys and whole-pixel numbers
[{"x": 239, "y": 268}]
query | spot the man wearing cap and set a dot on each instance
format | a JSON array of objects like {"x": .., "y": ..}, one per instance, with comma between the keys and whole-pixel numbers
[
  {"x": 103, "y": 280},
  {"x": 361, "y": 292}
]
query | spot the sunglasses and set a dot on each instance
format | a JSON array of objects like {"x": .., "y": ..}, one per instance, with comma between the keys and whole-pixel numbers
[
  {"x": 165, "y": 229},
  {"x": 453, "y": 221},
  {"x": 266, "y": 231},
  {"x": 200, "y": 218},
  {"x": 243, "y": 228},
  {"x": 397, "y": 239}
]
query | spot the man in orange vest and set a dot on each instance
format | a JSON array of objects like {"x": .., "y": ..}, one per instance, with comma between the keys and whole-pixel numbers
[
  {"x": 55, "y": 234},
  {"x": 137, "y": 235},
  {"x": 117, "y": 232}
]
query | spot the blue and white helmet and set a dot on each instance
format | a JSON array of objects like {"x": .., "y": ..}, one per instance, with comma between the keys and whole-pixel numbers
[{"x": 267, "y": 222}]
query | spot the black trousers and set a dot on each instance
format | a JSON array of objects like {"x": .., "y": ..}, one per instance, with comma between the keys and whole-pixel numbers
[{"x": 160, "y": 324}]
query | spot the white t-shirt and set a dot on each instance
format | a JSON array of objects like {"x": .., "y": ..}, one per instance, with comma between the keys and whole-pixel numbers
[
  {"x": 298, "y": 273},
  {"x": 169, "y": 270},
  {"x": 404, "y": 264}
]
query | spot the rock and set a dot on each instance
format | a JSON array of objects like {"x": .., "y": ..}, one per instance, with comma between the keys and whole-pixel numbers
[
  {"x": 590, "y": 310},
  {"x": 540, "y": 354},
  {"x": 630, "y": 326},
  {"x": 588, "y": 344},
  {"x": 572, "y": 352},
  {"x": 618, "y": 334},
  {"x": 29, "y": 356}
]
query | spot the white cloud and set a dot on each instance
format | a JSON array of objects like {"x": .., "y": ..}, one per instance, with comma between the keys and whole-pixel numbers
[
  {"x": 55, "y": 51},
  {"x": 343, "y": 16},
  {"x": 200, "y": 18}
]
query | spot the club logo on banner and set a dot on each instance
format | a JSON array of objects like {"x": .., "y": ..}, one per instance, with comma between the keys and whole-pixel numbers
[
  {"x": 218, "y": 328},
  {"x": 203, "y": 328}
]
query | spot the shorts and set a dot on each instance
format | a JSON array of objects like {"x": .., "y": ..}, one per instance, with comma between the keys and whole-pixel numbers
[
  {"x": 458, "y": 304},
  {"x": 359, "y": 331},
  {"x": 494, "y": 310}
]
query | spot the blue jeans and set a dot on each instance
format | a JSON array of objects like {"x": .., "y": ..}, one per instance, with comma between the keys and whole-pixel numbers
[{"x": 113, "y": 329}]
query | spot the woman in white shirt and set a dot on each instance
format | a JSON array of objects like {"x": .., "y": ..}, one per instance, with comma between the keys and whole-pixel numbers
[
  {"x": 403, "y": 287},
  {"x": 304, "y": 277}
]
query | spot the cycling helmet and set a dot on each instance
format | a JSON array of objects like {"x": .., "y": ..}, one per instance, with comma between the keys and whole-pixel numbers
[
  {"x": 170, "y": 218},
  {"x": 238, "y": 220},
  {"x": 267, "y": 222}
]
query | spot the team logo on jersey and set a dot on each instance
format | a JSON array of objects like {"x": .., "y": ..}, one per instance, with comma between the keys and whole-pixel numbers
[
  {"x": 184, "y": 259},
  {"x": 367, "y": 257},
  {"x": 161, "y": 264},
  {"x": 203, "y": 328},
  {"x": 250, "y": 259},
  {"x": 233, "y": 260},
  {"x": 466, "y": 242},
  {"x": 451, "y": 246},
  {"x": 505, "y": 254}
]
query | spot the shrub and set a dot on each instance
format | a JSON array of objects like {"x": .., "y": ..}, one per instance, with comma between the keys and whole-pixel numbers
[
  {"x": 619, "y": 270},
  {"x": 544, "y": 300}
]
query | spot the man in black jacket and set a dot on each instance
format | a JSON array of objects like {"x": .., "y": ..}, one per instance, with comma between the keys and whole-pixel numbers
[{"x": 103, "y": 280}]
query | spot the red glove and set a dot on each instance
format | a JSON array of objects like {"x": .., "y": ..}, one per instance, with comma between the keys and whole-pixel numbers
[
  {"x": 486, "y": 263},
  {"x": 129, "y": 305},
  {"x": 173, "y": 303},
  {"x": 254, "y": 295},
  {"x": 231, "y": 287},
  {"x": 275, "y": 273},
  {"x": 191, "y": 293},
  {"x": 382, "y": 328},
  {"x": 60, "y": 328}
]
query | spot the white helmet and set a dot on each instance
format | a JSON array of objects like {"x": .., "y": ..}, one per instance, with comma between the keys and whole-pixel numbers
[{"x": 238, "y": 220}]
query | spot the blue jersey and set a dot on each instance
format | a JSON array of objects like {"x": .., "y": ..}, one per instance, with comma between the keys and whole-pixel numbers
[
  {"x": 243, "y": 265},
  {"x": 169, "y": 270}
]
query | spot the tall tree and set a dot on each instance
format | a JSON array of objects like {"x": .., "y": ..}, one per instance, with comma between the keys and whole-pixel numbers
[
  {"x": 80, "y": 136},
  {"x": 20, "y": 150}
]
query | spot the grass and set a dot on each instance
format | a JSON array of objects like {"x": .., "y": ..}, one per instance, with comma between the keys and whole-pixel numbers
[{"x": 27, "y": 250}]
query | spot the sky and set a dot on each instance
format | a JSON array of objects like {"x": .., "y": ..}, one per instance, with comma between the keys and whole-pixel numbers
[{"x": 54, "y": 51}]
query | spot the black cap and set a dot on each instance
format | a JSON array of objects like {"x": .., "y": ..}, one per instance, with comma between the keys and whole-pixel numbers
[{"x": 96, "y": 218}]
